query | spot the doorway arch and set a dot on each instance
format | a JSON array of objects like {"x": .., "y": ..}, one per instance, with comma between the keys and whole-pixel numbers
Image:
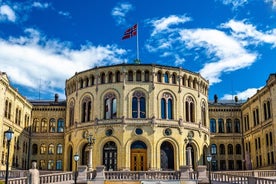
[
  {"x": 110, "y": 156},
  {"x": 138, "y": 160},
  {"x": 167, "y": 156}
]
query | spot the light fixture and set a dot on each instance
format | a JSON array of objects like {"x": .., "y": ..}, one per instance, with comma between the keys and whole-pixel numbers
[{"x": 8, "y": 134}]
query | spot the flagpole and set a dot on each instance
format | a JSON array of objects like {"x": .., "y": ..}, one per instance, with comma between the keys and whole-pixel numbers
[
  {"x": 137, "y": 44},
  {"x": 137, "y": 41}
]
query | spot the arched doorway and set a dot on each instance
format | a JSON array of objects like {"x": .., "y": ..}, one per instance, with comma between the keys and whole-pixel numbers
[
  {"x": 138, "y": 156},
  {"x": 167, "y": 156},
  {"x": 70, "y": 158},
  {"x": 110, "y": 156},
  {"x": 84, "y": 154}
]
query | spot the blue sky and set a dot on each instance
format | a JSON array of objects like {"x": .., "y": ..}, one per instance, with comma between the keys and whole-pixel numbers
[{"x": 232, "y": 43}]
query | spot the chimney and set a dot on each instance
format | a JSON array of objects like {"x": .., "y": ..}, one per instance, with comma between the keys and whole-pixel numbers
[
  {"x": 56, "y": 97},
  {"x": 216, "y": 98}
]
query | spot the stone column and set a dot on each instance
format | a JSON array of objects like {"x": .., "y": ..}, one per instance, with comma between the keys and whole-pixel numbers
[
  {"x": 90, "y": 156},
  {"x": 189, "y": 158}
]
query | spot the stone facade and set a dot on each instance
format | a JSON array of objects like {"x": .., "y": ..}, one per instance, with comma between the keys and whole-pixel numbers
[
  {"x": 138, "y": 117},
  {"x": 122, "y": 107},
  {"x": 259, "y": 123},
  {"x": 15, "y": 113}
]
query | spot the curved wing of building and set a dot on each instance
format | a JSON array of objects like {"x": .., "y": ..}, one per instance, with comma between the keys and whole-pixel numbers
[{"x": 136, "y": 117}]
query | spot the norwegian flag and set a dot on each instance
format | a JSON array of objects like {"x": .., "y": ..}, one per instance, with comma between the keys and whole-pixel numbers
[{"x": 130, "y": 32}]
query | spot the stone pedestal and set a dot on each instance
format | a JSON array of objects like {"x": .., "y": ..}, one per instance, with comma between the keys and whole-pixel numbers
[
  {"x": 82, "y": 174},
  {"x": 184, "y": 172},
  {"x": 100, "y": 177},
  {"x": 202, "y": 174}
]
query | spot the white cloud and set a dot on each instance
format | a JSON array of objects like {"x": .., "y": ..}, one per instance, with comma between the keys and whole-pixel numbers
[
  {"x": 242, "y": 95},
  {"x": 227, "y": 53},
  {"x": 164, "y": 23},
  {"x": 248, "y": 33},
  {"x": 272, "y": 2},
  {"x": 119, "y": 12},
  {"x": 40, "y": 5},
  {"x": 234, "y": 3},
  {"x": 29, "y": 60},
  {"x": 7, "y": 13}
]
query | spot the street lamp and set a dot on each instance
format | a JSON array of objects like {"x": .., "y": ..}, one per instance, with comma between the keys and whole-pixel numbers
[
  {"x": 76, "y": 158},
  {"x": 209, "y": 159},
  {"x": 8, "y": 135}
]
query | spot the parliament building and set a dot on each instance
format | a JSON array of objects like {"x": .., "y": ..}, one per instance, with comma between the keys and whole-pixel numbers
[{"x": 138, "y": 117}]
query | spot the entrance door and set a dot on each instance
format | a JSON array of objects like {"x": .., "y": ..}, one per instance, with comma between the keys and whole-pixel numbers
[{"x": 138, "y": 160}]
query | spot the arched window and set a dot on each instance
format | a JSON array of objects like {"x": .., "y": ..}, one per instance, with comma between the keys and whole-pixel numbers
[
  {"x": 238, "y": 149},
  {"x": 174, "y": 78},
  {"x": 230, "y": 149},
  {"x": 51, "y": 149},
  {"x": 268, "y": 109},
  {"x": 213, "y": 128},
  {"x": 102, "y": 78},
  {"x": 59, "y": 165},
  {"x": 159, "y": 76},
  {"x": 34, "y": 149},
  {"x": 92, "y": 80},
  {"x": 35, "y": 125},
  {"x": 60, "y": 126},
  {"x": 50, "y": 165},
  {"x": 44, "y": 125},
  {"x": 203, "y": 113},
  {"x": 237, "y": 126},
  {"x": 213, "y": 149},
  {"x": 110, "y": 104},
  {"x": 130, "y": 75},
  {"x": 71, "y": 113},
  {"x": 190, "y": 109},
  {"x": 220, "y": 126},
  {"x": 59, "y": 149},
  {"x": 110, "y": 77},
  {"x": 110, "y": 155},
  {"x": 265, "y": 111},
  {"x": 42, "y": 164},
  {"x": 228, "y": 126},
  {"x": 221, "y": 149},
  {"x": 42, "y": 149},
  {"x": 86, "y": 109},
  {"x": 138, "y": 75},
  {"x": 167, "y": 156},
  {"x": 146, "y": 76},
  {"x": 52, "y": 125},
  {"x": 6, "y": 108},
  {"x": 118, "y": 76},
  {"x": 166, "y": 77},
  {"x": 81, "y": 83},
  {"x": 166, "y": 106},
  {"x": 138, "y": 105}
]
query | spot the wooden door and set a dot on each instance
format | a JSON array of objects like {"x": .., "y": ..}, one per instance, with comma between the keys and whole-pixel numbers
[{"x": 138, "y": 160}]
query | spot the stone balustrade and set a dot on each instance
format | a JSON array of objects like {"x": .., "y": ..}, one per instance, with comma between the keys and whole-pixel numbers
[
  {"x": 142, "y": 175},
  {"x": 57, "y": 178}
]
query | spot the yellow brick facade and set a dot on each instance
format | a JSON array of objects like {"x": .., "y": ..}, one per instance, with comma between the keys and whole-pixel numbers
[
  {"x": 96, "y": 84},
  {"x": 138, "y": 114}
]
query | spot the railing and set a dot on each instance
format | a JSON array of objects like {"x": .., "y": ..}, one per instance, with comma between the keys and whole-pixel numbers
[
  {"x": 219, "y": 177},
  {"x": 22, "y": 180},
  {"x": 142, "y": 175},
  {"x": 56, "y": 178}
]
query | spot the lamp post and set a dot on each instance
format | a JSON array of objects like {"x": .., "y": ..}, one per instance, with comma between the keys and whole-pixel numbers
[
  {"x": 8, "y": 135},
  {"x": 91, "y": 142},
  {"x": 76, "y": 158},
  {"x": 209, "y": 159}
]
